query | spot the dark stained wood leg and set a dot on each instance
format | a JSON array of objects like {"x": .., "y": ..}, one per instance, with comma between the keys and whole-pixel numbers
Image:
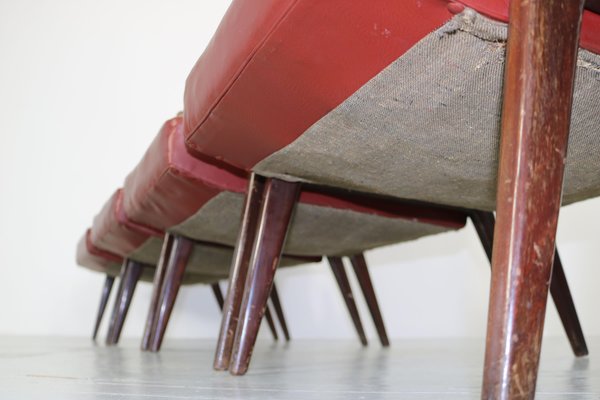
[
  {"x": 337, "y": 266},
  {"x": 129, "y": 280},
  {"x": 159, "y": 276},
  {"x": 484, "y": 223},
  {"x": 561, "y": 294},
  {"x": 106, "y": 289},
  {"x": 180, "y": 254},
  {"x": 218, "y": 295},
  {"x": 364, "y": 279},
  {"x": 113, "y": 316},
  {"x": 538, "y": 93},
  {"x": 238, "y": 272},
  {"x": 271, "y": 323},
  {"x": 278, "y": 205},
  {"x": 279, "y": 312}
]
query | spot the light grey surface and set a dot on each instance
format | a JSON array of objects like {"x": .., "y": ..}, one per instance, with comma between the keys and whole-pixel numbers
[
  {"x": 65, "y": 369},
  {"x": 314, "y": 230},
  {"x": 427, "y": 127}
]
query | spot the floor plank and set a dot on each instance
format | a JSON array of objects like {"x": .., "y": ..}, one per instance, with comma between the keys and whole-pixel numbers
[{"x": 65, "y": 369}]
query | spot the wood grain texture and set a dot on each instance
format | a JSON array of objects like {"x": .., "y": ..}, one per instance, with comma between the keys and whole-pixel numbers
[
  {"x": 238, "y": 272},
  {"x": 159, "y": 276},
  {"x": 278, "y": 205},
  {"x": 180, "y": 254},
  {"x": 484, "y": 223},
  {"x": 538, "y": 92}
]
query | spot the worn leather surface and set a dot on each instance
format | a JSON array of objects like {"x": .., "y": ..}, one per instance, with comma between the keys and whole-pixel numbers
[
  {"x": 169, "y": 185},
  {"x": 273, "y": 69},
  {"x": 110, "y": 232},
  {"x": 91, "y": 257}
]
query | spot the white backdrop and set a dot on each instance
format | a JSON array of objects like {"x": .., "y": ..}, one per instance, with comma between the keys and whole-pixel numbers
[{"x": 84, "y": 87}]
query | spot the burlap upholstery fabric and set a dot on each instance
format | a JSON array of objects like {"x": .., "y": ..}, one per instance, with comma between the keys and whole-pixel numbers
[
  {"x": 427, "y": 127},
  {"x": 206, "y": 260},
  {"x": 315, "y": 230},
  {"x": 189, "y": 278}
]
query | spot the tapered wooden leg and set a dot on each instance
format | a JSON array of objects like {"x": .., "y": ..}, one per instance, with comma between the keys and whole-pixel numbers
[
  {"x": 538, "y": 93},
  {"x": 337, "y": 266},
  {"x": 159, "y": 276},
  {"x": 484, "y": 223},
  {"x": 238, "y": 272},
  {"x": 129, "y": 280},
  {"x": 279, "y": 312},
  {"x": 113, "y": 316},
  {"x": 278, "y": 205},
  {"x": 271, "y": 323},
  {"x": 218, "y": 294},
  {"x": 561, "y": 294},
  {"x": 364, "y": 279},
  {"x": 106, "y": 289},
  {"x": 268, "y": 315},
  {"x": 180, "y": 254}
]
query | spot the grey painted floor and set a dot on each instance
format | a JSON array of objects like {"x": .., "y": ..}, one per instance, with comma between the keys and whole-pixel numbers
[{"x": 64, "y": 369}]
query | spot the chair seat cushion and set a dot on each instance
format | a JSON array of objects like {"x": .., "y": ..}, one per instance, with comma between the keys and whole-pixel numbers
[
  {"x": 313, "y": 229},
  {"x": 113, "y": 233},
  {"x": 274, "y": 68},
  {"x": 99, "y": 260},
  {"x": 428, "y": 126},
  {"x": 171, "y": 191}
]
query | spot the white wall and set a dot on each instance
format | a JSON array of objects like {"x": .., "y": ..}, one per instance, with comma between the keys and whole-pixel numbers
[{"x": 84, "y": 86}]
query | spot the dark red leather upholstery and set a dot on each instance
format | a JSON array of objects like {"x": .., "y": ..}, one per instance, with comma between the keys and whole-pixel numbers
[
  {"x": 274, "y": 68},
  {"x": 169, "y": 185},
  {"x": 94, "y": 258},
  {"x": 111, "y": 233}
]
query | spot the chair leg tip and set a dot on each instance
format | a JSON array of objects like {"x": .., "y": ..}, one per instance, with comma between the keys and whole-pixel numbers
[
  {"x": 238, "y": 371},
  {"x": 581, "y": 352}
]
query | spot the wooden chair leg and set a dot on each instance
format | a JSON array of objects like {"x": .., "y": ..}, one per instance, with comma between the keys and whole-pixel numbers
[
  {"x": 538, "y": 93},
  {"x": 278, "y": 205},
  {"x": 484, "y": 223},
  {"x": 268, "y": 315},
  {"x": 129, "y": 280},
  {"x": 115, "y": 310},
  {"x": 271, "y": 323},
  {"x": 218, "y": 295},
  {"x": 106, "y": 289},
  {"x": 337, "y": 267},
  {"x": 180, "y": 254},
  {"x": 159, "y": 276},
  {"x": 279, "y": 312},
  {"x": 238, "y": 272},
  {"x": 359, "y": 264},
  {"x": 561, "y": 294}
]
